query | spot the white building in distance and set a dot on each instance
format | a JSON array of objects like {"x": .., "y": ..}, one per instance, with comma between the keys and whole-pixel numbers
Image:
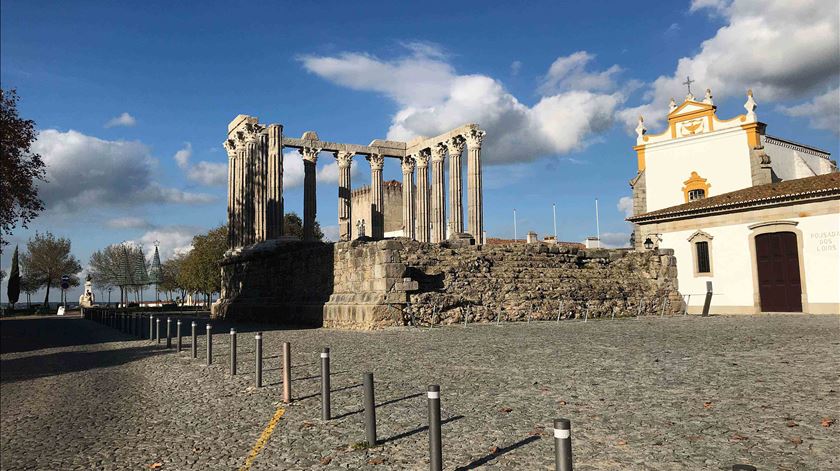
[{"x": 756, "y": 216}]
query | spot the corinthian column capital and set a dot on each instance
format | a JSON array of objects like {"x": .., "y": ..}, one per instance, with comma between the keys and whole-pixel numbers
[
  {"x": 345, "y": 159},
  {"x": 422, "y": 158},
  {"x": 407, "y": 164},
  {"x": 456, "y": 145},
  {"x": 251, "y": 132},
  {"x": 377, "y": 161},
  {"x": 475, "y": 138},
  {"x": 309, "y": 154},
  {"x": 230, "y": 148},
  {"x": 438, "y": 152}
]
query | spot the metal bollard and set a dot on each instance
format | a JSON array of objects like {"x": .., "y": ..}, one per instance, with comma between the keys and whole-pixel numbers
[
  {"x": 370, "y": 409},
  {"x": 562, "y": 445},
  {"x": 325, "y": 384},
  {"x": 287, "y": 372},
  {"x": 743, "y": 467},
  {"x": 168, "y": 332},
  {"x": 258, "y": 351},
  {"x": 151, "y": 328},
  {"x": 194, "y": 343},
  {"x": 178, "y": 334},
  {"x": 435, "y": 452},
  {"x": 209, "y": 329},
  {"x": 233, "y": 352},
  {"x": 157, "y": 330}
]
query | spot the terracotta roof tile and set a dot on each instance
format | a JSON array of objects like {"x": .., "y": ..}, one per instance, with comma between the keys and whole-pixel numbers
[{"x": 800, "y": 188}]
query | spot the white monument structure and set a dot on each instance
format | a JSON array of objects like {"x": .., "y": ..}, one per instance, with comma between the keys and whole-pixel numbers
[{"x": 756, "y": 216}]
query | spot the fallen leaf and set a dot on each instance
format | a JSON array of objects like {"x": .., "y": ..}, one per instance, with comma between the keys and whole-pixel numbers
[
  {"x": 621, "y": 442},
  {"x": 796, "y": 440},
  {"x": 791, "y": 423},
  {"x": 155, "y": 465},
  {"x": 562, "y": 403},
  {"x": 505, "y": 409},
  {"x": 326, "y": 460},
  {"x": 707, "y": 404},
  {"x": 376, "y": 461},
  {"x": 827, "y": 422},
  {"x": 494, "y": 450},
  {"x": 738, "y": 437}
]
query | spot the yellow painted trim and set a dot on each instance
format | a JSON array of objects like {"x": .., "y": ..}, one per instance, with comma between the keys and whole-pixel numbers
[
  {"x": 753, "y": 133},
  {"x": 264, "y": 436},
  {"x": 695, "y": 182},
  {"x": 640, "y": 156}
]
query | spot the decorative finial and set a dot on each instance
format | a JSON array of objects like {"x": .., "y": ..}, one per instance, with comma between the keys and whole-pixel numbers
[
  {"x": 750, "y": 106},
  {"x": 672, "y": 105},
  {"x": 708, "y": 98},
  {"x": 641, "y": 129}
]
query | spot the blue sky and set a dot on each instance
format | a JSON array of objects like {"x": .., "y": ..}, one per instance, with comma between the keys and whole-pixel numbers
[{"x": 119, "y": 90}]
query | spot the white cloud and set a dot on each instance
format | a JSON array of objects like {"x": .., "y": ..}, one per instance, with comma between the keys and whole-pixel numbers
[
  {"x": 128, "y": 223},
  {"x": 625, "y": 205},
  {"x": 615, "y": 239},
  {"x": 330, "y": 233},
  {"x": 783, "y": 50},
  {"x": 569, "y": 73},
  {"x": 823, "y": 112},
  {"x": 515, "y": 67},
  {"x": 204, "y": 172},
  {"x": 325, "y": 173},
  {"x": 434, "y": 99},
  {"x": 85, "y": 173},
  {"x": 173, "y": 240},
  {"x": 182, "y": 157},
  {"x": 124, "y": 119}
]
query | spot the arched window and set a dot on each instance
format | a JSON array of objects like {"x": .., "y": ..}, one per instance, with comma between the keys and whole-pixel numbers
[{"x": 695, "y": 188}]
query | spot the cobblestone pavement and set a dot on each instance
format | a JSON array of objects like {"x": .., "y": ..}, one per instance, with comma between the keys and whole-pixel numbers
[{"x": 673, "y": 393}]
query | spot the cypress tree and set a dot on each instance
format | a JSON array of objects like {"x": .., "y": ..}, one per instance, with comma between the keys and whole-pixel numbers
[{"x": 13, "y": 288}]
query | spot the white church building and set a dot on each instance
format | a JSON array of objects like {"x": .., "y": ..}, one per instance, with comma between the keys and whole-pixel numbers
[{"x": 756, "y": 216}]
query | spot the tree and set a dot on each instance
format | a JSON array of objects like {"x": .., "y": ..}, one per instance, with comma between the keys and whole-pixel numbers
[
  {"x": 13, "y": 287},
  {"x": 293, "y": 225},
  {"x": 200, "y": 271},
  {"x": 47, "y": 259},
  {"x": 28, "y": 285},
  {"x": 122, "y": 265},
  {"x": 169, "y": 271},
  {"x": 19, "y": 168}
]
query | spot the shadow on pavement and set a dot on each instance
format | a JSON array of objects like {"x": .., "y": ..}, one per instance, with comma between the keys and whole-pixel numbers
[
  {"x": 27, "y": 334},
  {"x": 390, "y": 401},
  {"x": 499, "y": 452},
  {"x": 420, "y": 429},
  {"x": 38, "y": 366}
]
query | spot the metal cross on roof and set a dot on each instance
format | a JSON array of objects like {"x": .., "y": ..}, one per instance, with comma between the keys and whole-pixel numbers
[{"x": 688, "y": 83}]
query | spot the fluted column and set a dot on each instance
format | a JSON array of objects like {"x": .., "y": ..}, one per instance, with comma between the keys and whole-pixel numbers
[
  {"x": 230, "y": 147},
  {"x": 408, "y": 197},
  {"x": 310, "y": 158},
  {"x": 438, "y": 194},
  {"x": 259, "y": 187},
  {"x": 274, "y": 183},
  {"x": 377, "y": 201},
  {"x": 240, "y": 190},
  {"x": 475, "y": 216},
  {"x": 251, "y": 157},
  {"x": 456, "y": 204},
  {"x": 423, "y": 213},
  {"x": 345, "y": 217}
]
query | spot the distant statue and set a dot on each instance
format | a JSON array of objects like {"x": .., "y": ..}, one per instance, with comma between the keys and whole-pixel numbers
[
  {"x": 360, "y": 226},
  {"x": 87, "y": 299}
]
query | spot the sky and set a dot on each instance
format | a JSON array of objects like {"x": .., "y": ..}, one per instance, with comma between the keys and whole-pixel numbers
[{"x": 132, "y": 103}]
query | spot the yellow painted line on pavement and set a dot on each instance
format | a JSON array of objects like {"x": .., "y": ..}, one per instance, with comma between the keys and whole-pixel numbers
[{"x": 264, "y": 436}]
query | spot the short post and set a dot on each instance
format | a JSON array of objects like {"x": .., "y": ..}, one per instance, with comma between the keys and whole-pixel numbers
[
  {"x": 562, "y": 445},
  {"x": 168, "y": 333},
  {"x": 151, "y": 328},
  {"x": 499, "y": 316},
  {"x": 586, "y": 313},
  {"x": 233, "y": 352},
  {"x": 209, "y": 329},
  {"x": 178, "y": 334},
  {"x": 287, "y": 372},
  {"x": 466, "y": 317},
  {"x": 435, "y": 452},
  {"x": 559, "y": 311},
  {"x": 707, "y": 304},
  {"x": 258, "y": 351},
  {"x": 662, "y": 311},
  {"x": 157, "y": 330},
  {"x": 530, "y": 310},
  {"x": 194, "y": 340},
  {"x": 687, "y": 301},
  {"x": 639, "y": 311},
  {"x": 325, "y": 384},
  {"x": 370, "y": 409}
]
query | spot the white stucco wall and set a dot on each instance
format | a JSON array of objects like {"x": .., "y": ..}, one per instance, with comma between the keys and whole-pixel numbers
[
  {"x": 788, "y": 163},
  {"x": 821, "y": 251},
  {"x": 721, "y": 157}
]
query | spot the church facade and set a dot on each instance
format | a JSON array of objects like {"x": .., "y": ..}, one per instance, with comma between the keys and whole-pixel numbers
[{"x": 751, "y": 217}]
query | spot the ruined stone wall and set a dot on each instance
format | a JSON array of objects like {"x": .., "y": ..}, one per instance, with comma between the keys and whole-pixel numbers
[
  {"x": 286, "y": 282},
  {"x": 510, "y": 281},
  {"x": 360, "y": 207}
]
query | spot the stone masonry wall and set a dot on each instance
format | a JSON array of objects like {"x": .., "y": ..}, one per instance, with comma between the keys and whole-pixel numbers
[{"x": 509, "y": 281}]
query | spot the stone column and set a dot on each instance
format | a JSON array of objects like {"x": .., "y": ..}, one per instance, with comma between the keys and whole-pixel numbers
[
  {"x": 310, "y": 158},
  {"x": 377, "y": 201},
  {"x": 475, "y": 216},
  {"x": 438, "y": 194},
  {"x": 274, "y": 183},
  {"x": 423, "y": 213},
  {"x": 251, "y": 156},
  {"x": 230, "y": 147},
  {"x": 408, "y": 197},
  {"x": 456, "y": 204},
  {"x": 345, "y": 217},
  {"x": 260, "y": 189},
  {"x": 240, "y": 190}
]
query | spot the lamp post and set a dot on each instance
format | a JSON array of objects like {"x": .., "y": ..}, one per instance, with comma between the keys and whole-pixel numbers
[{"x": 109, "y": 296}]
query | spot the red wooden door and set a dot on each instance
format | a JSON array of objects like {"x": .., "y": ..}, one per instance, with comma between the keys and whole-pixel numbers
[{"x": 779, "y": 286}]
